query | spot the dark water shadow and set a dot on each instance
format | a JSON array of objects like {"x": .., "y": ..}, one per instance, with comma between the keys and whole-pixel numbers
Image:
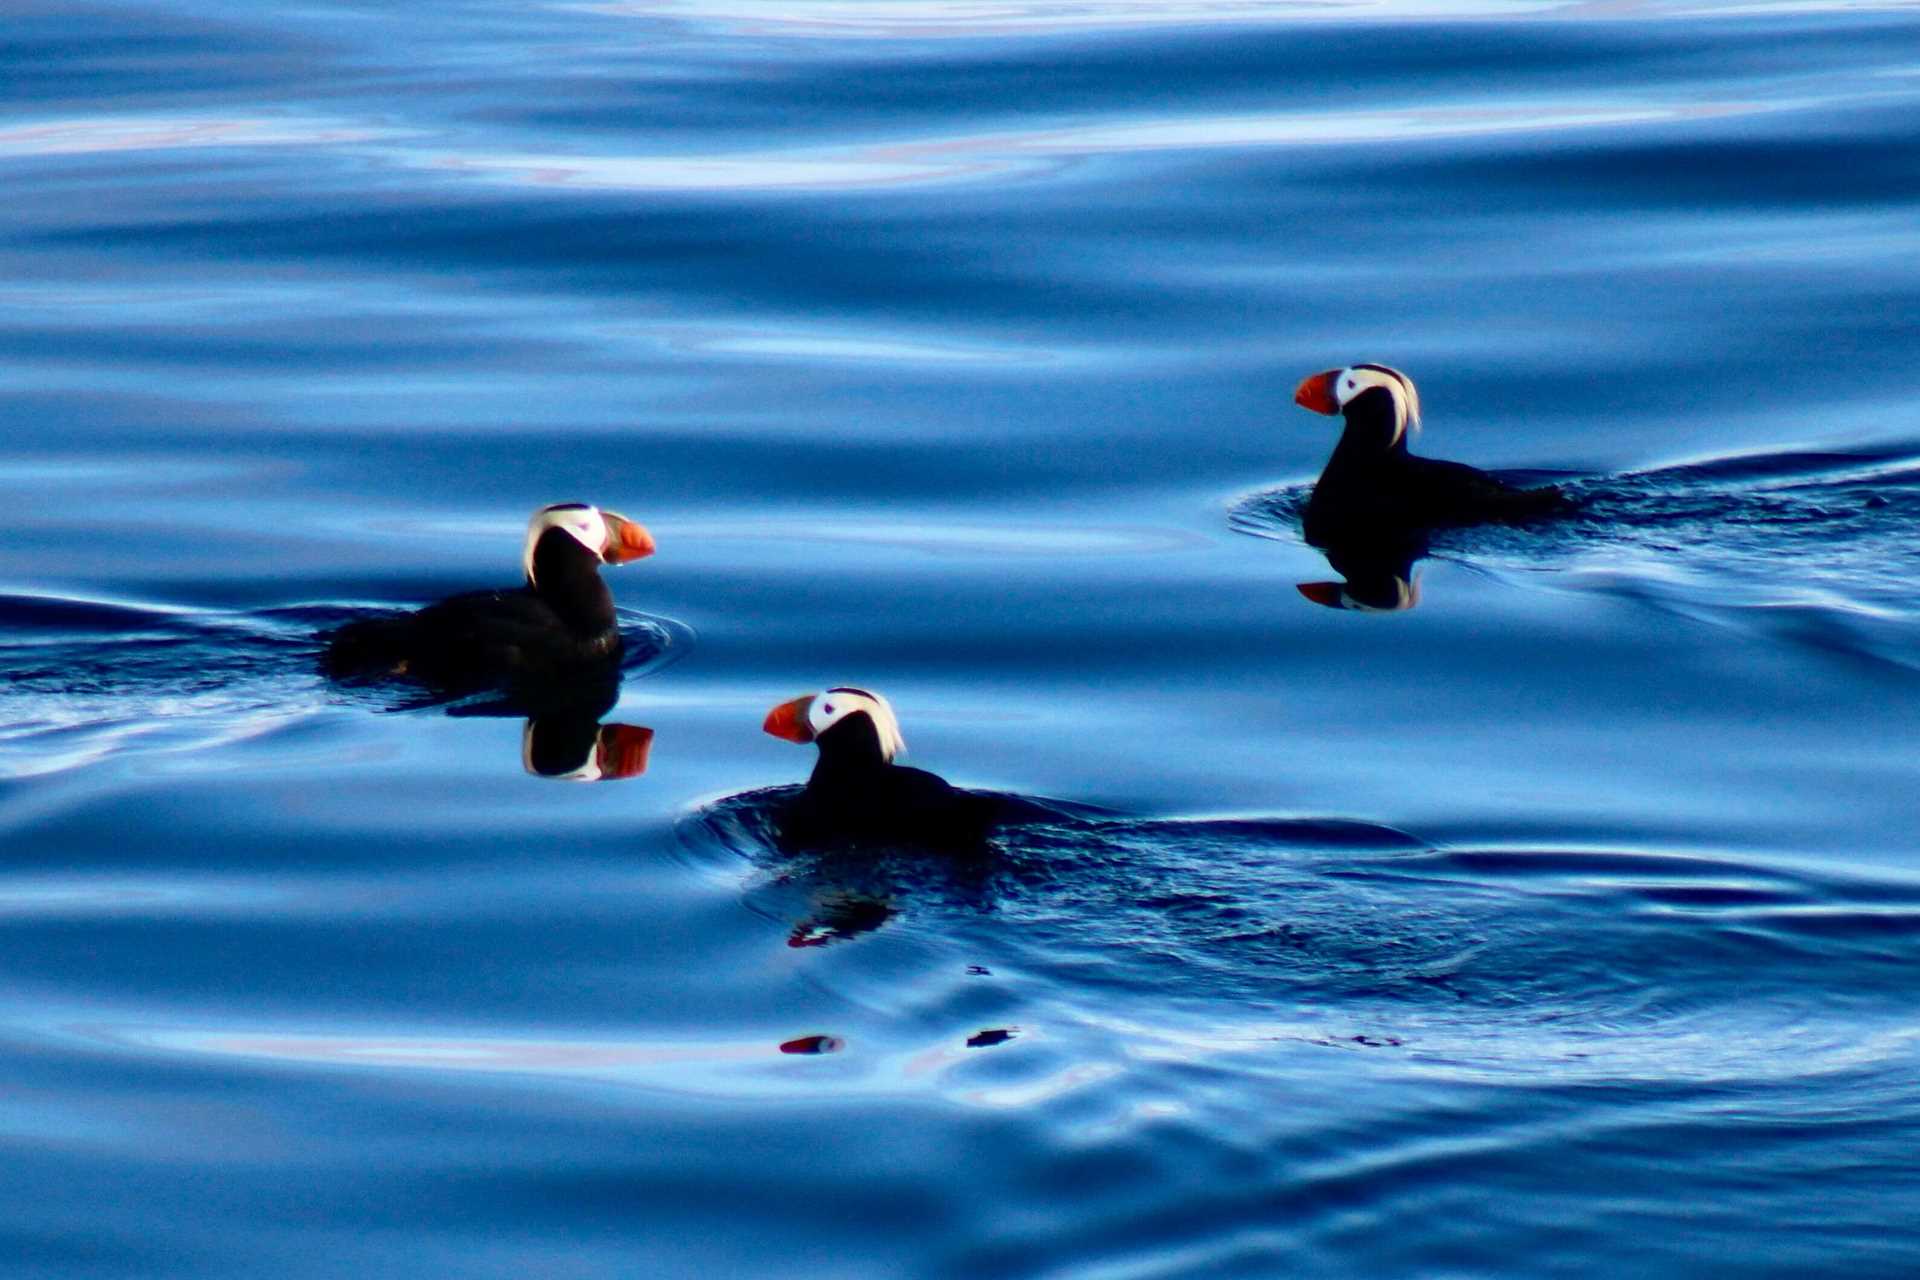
[
  {"x": 753, "y": 824},
  {"x": 649, "y": 643},
  {"x": 1043, "y": 850},
  {"x": 1621, "y": 959},
  {"x": 856, "y": 886}
]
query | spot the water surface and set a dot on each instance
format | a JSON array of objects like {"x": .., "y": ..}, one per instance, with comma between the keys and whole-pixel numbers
[{"x": 1562, "y": 923}]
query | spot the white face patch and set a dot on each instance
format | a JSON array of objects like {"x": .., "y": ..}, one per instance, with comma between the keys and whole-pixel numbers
[
  {"x": 835, "y": 705},
  {"x": 584, "y": 523},
  {"x": 1364, "y": 377}
]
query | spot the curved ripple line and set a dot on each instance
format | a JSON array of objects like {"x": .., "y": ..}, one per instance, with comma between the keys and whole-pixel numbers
[
  {"x": 978, "y": 19},
  {"x": 100, "y": 134},
  {"x": 1482, "y": 962},
  {"x": 1000, "y": 155}
]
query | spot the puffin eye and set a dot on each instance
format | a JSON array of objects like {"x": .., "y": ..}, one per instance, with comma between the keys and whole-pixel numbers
[{"x": 828, "y": 709}]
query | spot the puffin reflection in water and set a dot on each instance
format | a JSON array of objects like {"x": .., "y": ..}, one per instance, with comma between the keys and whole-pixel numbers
[
  {"x": 556, "y": 628},
  {"x": 564, "y": 738},
  {"x": 857, "y": 793},
  {"x": 1373, "y": 487},
  {"x": 1378, "y": 572},
  {"x": 580, "y": 749}
]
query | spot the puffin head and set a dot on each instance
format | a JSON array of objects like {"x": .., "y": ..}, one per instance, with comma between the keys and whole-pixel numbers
[
  {"x": 1374, "y": 388},
  {"x": 613, "y": 539},
  {"x": 837, "y": 712}
]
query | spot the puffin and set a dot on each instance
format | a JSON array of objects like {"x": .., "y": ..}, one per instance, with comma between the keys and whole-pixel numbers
[
  {"x": 857, "y": 793},
  {"x": 558, "y": 628},
  {"x": 1372, "y": 486}
]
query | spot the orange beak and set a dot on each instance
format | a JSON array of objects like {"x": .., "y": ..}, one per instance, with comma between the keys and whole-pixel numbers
[
  {"x": 789, "y": 720},
  {"x": 626, "y": 539},
  {"x": 622, "y": 750},
  {"x": 1326, "y": 593},
  {"x": 1316, "y": 393}
]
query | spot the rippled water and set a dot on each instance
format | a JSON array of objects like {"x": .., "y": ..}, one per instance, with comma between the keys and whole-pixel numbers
[{"x": 1551, "y": 909}]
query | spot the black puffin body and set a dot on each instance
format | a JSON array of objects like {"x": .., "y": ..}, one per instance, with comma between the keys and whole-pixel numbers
[
  {"x": 1372, "y": 486},
  {"x": 857, "y": 793},
  {"x": 558, "y": 627}
]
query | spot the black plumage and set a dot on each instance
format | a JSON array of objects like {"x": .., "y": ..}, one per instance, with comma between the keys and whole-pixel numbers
[
  {"x": 1374, "y": 486},
  {"x": 856, "y": 792},
  {"x": 560, "y": 627}
]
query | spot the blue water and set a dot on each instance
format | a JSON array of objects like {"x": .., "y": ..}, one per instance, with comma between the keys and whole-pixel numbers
[{"x": 1553, "y": 911}]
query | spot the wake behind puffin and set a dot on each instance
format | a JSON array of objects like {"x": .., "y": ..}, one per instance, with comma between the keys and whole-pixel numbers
[
  {"x": 1373, "y": 487},
  {"x": 557, "y": 630}
]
